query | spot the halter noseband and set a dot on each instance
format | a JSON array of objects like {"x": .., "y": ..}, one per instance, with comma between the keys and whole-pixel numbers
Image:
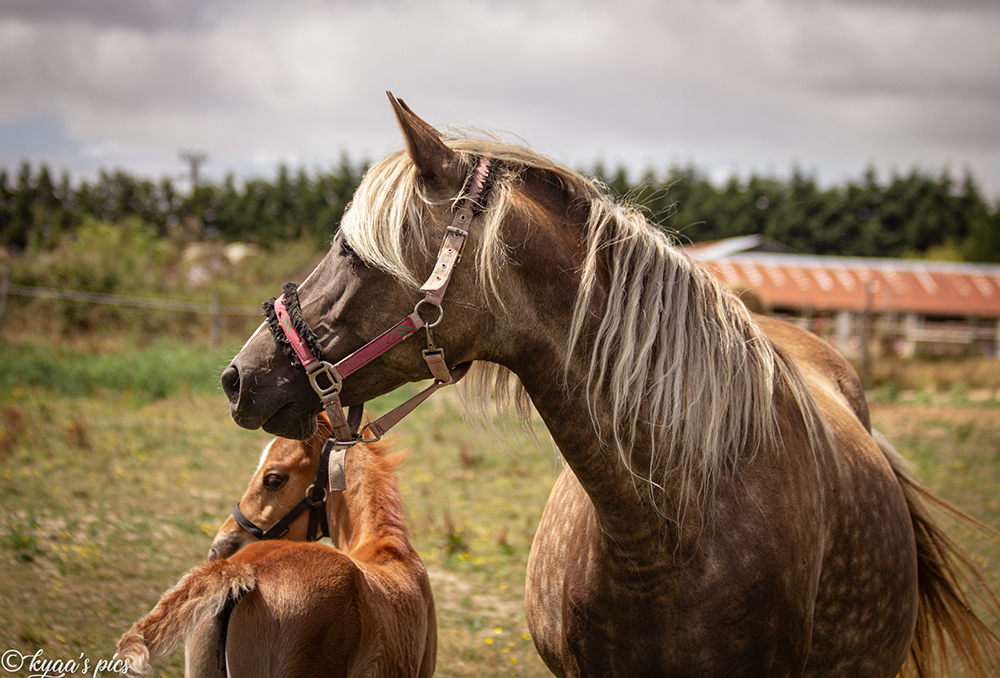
[{"x": 302, "y": 347}]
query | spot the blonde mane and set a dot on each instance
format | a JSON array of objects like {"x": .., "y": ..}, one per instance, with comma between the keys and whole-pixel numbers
[{"x": 675, "y": 358}]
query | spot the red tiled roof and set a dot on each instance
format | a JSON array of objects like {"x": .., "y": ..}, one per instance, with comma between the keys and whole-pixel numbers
[{"x": 839, "y": 283}]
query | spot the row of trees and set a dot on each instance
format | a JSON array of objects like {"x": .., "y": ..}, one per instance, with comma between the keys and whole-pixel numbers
[
  {"x": 916, "y": 214},
  {"x": 908, "y": 215},
  {"x": 36, "y": 213}
]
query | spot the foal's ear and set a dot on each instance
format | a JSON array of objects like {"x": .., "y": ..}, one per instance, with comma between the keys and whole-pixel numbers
[{"x": 439, "y": 166}]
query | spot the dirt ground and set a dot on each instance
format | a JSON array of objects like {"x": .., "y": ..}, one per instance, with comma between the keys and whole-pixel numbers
[{"x": 911, "y": 419}]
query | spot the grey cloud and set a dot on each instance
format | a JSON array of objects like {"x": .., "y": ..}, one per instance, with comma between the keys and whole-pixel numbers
[
  {"x": 729, "y": 83},
  {"x": 144, "y": 15}
]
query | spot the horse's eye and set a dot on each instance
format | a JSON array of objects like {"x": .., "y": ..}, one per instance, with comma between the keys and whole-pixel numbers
[
  {"x": 273, "y": 481},
  {"x": 346, "y": 249}
]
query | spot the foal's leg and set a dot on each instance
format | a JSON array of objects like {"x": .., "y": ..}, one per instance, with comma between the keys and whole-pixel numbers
[{"x": 204, "y": 649}]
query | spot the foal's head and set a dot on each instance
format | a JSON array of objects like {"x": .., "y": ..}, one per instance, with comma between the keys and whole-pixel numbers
[{"x": 285, "y": 475}]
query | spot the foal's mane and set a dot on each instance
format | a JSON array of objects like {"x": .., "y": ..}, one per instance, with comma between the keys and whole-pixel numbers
[
  {"x": 383, "y": 496},
  {"x": 674, "y": 357}
]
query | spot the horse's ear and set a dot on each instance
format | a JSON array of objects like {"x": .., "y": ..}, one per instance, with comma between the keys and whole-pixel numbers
[{"x": 439, "y": 166}]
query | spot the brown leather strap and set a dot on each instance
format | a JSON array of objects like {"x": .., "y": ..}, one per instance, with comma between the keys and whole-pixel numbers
[
  {"x": 448, "y": 256},
  {"x": 454, "y": 238},
  {"x": 381, "y": 426}
]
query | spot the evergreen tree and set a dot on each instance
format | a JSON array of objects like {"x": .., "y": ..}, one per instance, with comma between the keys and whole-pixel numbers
[{"x": 908, "y": 215}]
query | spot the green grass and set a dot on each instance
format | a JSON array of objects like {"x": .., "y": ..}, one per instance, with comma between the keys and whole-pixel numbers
[
  {"x": 111, "y": 490},
  {"x": 116, "y": 468},
  {"x": 151, "y": 373}
]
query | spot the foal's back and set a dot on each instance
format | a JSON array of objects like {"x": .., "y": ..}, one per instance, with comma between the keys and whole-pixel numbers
[
  {"x": 303, "y": 618},
  {"x": 290, "y": 608},
  {"x": 311, "y": 611}
]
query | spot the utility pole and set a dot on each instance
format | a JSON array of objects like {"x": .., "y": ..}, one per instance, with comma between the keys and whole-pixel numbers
[
  {"x": 867, "y": 321},
  {"x": 194, "y": 159}
]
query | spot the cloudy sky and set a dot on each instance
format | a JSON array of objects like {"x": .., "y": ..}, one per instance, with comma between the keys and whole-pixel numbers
[{"x": 830, "y": 86}]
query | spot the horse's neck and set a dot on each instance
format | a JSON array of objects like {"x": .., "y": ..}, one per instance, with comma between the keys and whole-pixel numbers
[
  {"x": 557, "y": 386},
  {"x": 369, "y": 511},
  {"x": 619, "y": 500}
]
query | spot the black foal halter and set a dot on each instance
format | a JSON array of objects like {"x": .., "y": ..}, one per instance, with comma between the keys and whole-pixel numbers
[{"x": 314, "y": 502}]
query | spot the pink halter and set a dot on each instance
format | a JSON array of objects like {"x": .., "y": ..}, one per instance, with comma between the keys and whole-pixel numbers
[{"x": 327, "y": 379}]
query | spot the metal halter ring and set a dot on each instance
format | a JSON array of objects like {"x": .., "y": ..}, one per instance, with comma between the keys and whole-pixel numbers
[
  {"x": 313, "y": 502},
  {"x": 416, "y": 309}
]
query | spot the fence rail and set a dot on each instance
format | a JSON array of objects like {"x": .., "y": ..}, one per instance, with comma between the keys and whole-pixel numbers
[
  {"x": 213, "y": 309},
  {"x": 137, "y": 302}
]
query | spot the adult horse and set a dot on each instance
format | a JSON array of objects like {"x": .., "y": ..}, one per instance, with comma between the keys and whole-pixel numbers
[
  {"x": 288, "y": 607},
  {"x": 726, "y": 510}
]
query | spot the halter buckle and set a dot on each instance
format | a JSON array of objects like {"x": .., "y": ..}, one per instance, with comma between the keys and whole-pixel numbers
[
  {"x": 324, "y": 378},
  {"x": 461, "y": 235}
]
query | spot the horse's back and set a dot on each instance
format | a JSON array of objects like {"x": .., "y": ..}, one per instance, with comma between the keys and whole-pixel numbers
[{"x": 821, "y": 364}]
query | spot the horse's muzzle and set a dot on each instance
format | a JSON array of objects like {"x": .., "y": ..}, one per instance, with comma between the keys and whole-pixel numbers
[
  {"x": 226, "y": 546},
  {"x": 275, "y": 407},
  {"x": 240, "y": 403},
  {"x": 231, "y": 383}
]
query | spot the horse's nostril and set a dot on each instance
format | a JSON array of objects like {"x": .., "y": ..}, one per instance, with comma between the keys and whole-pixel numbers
[{"x": 231, "y": 383}]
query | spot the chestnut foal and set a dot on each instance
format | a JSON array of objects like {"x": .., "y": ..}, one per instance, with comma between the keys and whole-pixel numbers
[{"x": 287, "y": 607}]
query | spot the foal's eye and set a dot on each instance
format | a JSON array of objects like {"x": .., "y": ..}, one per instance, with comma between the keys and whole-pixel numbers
[{"x": 273, "y": 481}]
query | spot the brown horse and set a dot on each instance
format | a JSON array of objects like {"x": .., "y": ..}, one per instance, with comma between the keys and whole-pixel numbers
[
  {"x": 726, "y": 510},
  {"x": 284, "y": 608}
]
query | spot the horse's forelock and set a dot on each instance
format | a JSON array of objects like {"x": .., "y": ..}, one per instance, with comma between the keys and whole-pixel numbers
[
  {"x": 375, "y": 224},
  {"x": 383, "y": 223}
]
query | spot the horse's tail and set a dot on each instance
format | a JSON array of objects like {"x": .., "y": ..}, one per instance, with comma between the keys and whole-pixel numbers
[
  {"x": 946, "y": 579},
  {"x": 203, "y": 593}
]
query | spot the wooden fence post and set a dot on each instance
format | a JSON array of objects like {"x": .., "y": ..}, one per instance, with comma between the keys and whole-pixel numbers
[
  {"x": 865, "y": 358},
  {"x": 4, "y": 288},
  {"x": 216, "y": 320}
]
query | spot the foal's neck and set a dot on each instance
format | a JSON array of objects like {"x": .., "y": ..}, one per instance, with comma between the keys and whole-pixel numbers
[{"x": 369, "y": 512}]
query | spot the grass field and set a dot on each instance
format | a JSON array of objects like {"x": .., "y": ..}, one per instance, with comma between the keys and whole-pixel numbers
[{"x": 116, "y": 468}]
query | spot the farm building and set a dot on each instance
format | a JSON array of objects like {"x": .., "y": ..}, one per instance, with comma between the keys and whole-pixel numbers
[{"x": 905, "y": 306}]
